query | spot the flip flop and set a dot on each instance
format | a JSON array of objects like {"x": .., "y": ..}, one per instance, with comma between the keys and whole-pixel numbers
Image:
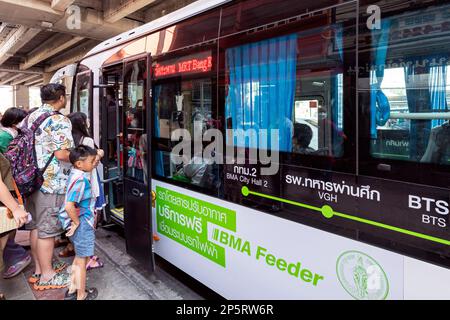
[
  {"x": 59, "y": 281},
  {"x": 94, "y": 259},
  {"x": 17, "y": 268},
  {"x": 58, "y": 266}
]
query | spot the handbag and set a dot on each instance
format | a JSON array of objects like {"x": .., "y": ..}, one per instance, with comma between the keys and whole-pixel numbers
[{"x": 7, "y": 221}]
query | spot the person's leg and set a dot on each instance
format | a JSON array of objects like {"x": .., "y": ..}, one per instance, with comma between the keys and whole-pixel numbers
[
  {"x": 34, "y": 241},
  {"x": 16, "y": 258},
  {"x": 13, "y": 253},
  {"x": 30, "y": 206},
  {"x": 45, "y": 247},
  {"x": 81, "y": 290},
  {"x": 74, "y": 277},
  {"x": 48, "y": 225},
  {"x": 3, "y": 240}
]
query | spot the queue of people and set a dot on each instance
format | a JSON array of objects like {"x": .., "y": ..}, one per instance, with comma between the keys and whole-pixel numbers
[{"x": 64, "y": 203}]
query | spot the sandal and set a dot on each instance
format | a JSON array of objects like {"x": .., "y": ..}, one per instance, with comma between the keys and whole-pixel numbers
[
  {"x": 91, "y": 294},
  {"x": 58, "y": 266},
  {"x": 34, "y": 278},
  {"x": 17, "y": 268},
  {"x": 94, "y": 263},
  {"x": 66, "y": 252},
  {"x": 59, "y": 281}
]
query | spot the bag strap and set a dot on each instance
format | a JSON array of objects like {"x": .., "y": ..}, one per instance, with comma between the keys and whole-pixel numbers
[
  {"x": 40, "y": 120},
  {"x": 95, "y": 145},
  {"x": 19, "y": 199},
  {"x": 37, "y": 123}
]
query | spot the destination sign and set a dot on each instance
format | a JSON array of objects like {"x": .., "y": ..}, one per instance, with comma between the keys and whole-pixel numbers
[{"x": 197, "y": 63}]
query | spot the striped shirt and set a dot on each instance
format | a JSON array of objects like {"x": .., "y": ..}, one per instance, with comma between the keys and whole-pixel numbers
[{"x": 79, "y": 191}]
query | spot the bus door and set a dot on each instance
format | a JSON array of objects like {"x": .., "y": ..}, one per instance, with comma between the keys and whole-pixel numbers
[
  {"x": 111, "y": 141},
  {"x": 136, "y": 162}
]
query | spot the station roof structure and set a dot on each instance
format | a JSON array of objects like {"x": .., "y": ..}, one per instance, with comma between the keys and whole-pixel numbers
[{"x": 37, "y": 37}]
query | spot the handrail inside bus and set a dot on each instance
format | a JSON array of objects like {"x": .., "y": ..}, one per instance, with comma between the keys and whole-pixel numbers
[{"x": 420, "y": 115}]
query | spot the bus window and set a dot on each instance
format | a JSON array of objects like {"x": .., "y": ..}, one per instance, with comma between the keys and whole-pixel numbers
[
  {"x": 409, "y": 89},
  {"x": 83, "y": 93},
  {"x": 183, "y": 103},
  {"x": 135, "y": 137},
  {"x": 283, "y": 84}
]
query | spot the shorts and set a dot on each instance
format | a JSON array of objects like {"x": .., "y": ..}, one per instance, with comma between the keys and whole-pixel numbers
[
  {"x": 44, "y": 209},
  {"x": 83, "y": 239}
]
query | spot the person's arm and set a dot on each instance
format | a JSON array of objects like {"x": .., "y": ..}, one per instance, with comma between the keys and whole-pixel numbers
[
  {"x": 7, "y": 199},
  {"x": 74, "y": 195},
  {"x": 62, "y": 155},
  {"x": 100, "y": 153},
  {"x": 72, "y": 212},
  {"x": 61, "y": 135}
]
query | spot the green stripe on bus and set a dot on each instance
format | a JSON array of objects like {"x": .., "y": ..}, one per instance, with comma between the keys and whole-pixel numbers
[{"x": 328, "y": 212}]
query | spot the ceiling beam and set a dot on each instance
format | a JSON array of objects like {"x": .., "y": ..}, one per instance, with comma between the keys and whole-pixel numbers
[
  {"x": 116, "y": 9},
  {"x": 15, "y": 69},
  {"x": 16, "y": 41},
  {"x": 26, "y": 79},
  {"x": 35, "y": 5},
  {"x": 2, "y": 27},
  {"x": 48, "y": 49},
  {"x": 32, "y": 83},
  {"x": 9, "y": 79},
  {"x": 61, "y": 5},
  {"x": 92, "y": 24},
  {"x": 70, "y": 57}
]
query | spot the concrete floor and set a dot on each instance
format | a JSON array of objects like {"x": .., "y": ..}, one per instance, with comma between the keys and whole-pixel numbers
[{"x": 121, "y": 278}]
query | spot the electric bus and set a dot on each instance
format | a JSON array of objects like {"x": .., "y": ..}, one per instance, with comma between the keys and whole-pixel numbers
[{"x": 280, "y": 149}]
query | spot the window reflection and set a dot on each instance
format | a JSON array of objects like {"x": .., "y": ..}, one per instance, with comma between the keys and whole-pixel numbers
[
  {"x": 135, "y": 120},
  {"x": 409, "y": 89}
]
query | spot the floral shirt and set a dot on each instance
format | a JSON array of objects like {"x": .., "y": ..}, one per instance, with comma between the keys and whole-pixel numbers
[{"x": 54, "y": 134}]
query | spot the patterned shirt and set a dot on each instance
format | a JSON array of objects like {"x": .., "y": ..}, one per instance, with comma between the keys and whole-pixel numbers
[
  {"x": 54, "y": 134},
  {"x": 79, "y": 191}
]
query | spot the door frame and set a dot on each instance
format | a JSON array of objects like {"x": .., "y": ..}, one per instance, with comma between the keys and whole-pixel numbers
[
  {"x": 148, "y": 131},
  {"x": 103, "y": 128}
]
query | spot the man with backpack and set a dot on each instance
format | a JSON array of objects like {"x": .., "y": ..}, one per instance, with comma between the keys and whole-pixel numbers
[{"x": 52, "y": 134}]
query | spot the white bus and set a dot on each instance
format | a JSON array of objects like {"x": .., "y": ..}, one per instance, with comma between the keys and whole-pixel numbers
[{"x": 357, "y": 206}]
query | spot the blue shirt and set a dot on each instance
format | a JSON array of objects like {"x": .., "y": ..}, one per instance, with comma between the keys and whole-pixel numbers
[{"x": 79, "y": 191}]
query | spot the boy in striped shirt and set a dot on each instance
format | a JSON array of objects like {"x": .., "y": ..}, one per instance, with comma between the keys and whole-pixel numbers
[{"x": 78, "y": 218}]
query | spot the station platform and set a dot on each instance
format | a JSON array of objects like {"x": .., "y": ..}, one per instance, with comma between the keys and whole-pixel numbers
[{"x": 121, "y": 278}]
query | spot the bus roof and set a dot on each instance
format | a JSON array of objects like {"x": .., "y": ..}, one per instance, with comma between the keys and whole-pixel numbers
[{"x": 184, "y": 13}]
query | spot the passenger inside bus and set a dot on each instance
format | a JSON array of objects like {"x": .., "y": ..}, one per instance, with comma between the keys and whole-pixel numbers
[
  {"x": 112, "y": 123},
  {"x": 438, "y": 148},
  {"x": 303, "y": 135}
]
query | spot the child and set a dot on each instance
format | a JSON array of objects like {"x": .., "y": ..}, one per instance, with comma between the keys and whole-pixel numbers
[
  {"x": 80, "y": 133},
  {"x": 78, "y": 217}
]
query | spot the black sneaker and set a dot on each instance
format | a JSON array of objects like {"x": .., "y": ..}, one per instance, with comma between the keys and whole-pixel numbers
[
  {"x": 91, "y": 294},
  {"x": 70, "y": 296}
]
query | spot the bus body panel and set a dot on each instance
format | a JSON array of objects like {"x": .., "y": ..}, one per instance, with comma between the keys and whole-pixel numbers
[
  {"x": 261, "y": 253},
  {"x": 351, "y": 204}
]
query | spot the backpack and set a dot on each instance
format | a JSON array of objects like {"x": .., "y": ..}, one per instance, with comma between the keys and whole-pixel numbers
[{"x": 21, "y": 154}]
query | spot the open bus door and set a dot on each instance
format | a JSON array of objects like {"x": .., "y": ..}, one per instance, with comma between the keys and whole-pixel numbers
[
  {"x": 136, "y": 160},
  {"x": 125, "y": 126},
  {"x": 111, "y": 140}
]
